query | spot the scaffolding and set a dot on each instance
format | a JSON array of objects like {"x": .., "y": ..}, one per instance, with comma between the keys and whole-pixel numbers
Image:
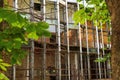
[{"x": 70, "y": 52}]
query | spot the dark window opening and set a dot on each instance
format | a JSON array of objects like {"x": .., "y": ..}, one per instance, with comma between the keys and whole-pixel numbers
[
  {"x": 53, "y": 38},
  {"x": 37, "y": 6}
]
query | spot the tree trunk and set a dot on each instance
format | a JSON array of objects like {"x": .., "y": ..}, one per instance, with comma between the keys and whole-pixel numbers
[{"x": 114, "y": 7}]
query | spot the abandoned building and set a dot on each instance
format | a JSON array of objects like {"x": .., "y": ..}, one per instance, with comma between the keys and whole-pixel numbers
[{"x": 70, "y": 52}]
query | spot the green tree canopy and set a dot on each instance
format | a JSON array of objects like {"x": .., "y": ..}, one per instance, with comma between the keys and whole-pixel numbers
[
  {"x": 16, "y": 31},
  {"x": 92, "y": 10}
]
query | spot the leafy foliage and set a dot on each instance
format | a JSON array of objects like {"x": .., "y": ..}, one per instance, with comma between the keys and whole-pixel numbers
[
  {"x": 3, "y": 67},
  {"x": 92, "y": 10},
  {"x": 15, "y": 31},
  {"x": 3, "y": 77},
  {"x": 103, "y": 59}
]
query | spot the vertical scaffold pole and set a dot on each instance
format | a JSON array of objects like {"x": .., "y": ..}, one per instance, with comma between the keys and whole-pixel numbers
[
  {"x": 27, "y": 74},
  {"x": 14, "y": 72},
  {"x": 44, "y": 52},
  {"x": 44, "y": 10},
  {"x": 15, "y": 4},
  {"x": 102, "y": 37},
  {"x": 59, "y": 42},
  {"x": 87, "y": 44},
  {"x": 68, "y": 48},
  {"x": 80, "y": 46},
  {"x": 31, "y": 58},
  {"x": 110, "y": 34},
  {"x": 107, "y": 34},
  {"x": 98, "y": 50},
  {"x": 109, "y": 47},
  {"x": 93, "y": 32}
]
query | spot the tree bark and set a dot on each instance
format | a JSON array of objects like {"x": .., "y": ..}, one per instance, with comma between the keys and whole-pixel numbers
[{"x": 114, "y": 8}]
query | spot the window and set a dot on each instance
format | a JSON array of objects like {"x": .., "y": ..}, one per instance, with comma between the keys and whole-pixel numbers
[{"x": 37, "y": 6}]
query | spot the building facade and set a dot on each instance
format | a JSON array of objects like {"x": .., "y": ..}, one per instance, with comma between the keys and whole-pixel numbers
[{"x": 70, "y": 52}]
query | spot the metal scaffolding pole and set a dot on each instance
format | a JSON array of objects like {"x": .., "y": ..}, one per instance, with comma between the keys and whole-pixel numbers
[
  {"x": 65, "y": 42},
  {"x": 68, "y": 48},
  {"x": 56, "y": 55},
  {"x": 59, "y": 41},
  {"x": 85, "y": 68},
  {"x": 15, "y": 4},
  {"x": 80, "y": 45},
  {"x": 44, "y": 59},
  {"x": 110, "y": 34},
  {"x": 31, "y": 55},
  {"x": 98, "y": 50},
  {"x": 44, "y": 10},
  {"x": 93, "y": 32},
  {"x": 102, "y": 37},
  {"x": 27, "y": 74},
  {"x": 87, "y": 44},
  {"x": 44, "y": 46},
  {"x": 14, "y": 72},
  {"x": 109, "y": 47},
  {"x": 31, "y": 59},
  {"x": 88, "y": 53}
]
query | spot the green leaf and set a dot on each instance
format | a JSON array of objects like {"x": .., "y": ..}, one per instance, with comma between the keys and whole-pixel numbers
[
  {"x": 17, "y": 32},
  {"x": 43, "y": 25},
  {"x": 98, "y": 12},
  {"x": 32, "y": 35},
  {"x": 13, "y": 60},
  {"x": 30, "y": 27},
  {"x": 104, "y": 58},
  {"x": 8, "y": 50},
  {"x": 13, "y": 18},
  {"x": 6, "y": 64},
  {"x": 17, "y": 55},
  {"x": 3, "y": 77},
  {"x": 19, "y": 62},
  {"x": 1, "y": 60},
  {"x": 3, "y": 68},
  {"x": 100, "y": 60},
  {"x": 1, "y": 20}
]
